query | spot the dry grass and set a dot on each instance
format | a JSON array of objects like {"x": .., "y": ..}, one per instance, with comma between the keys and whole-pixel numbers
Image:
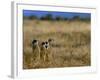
[{"x": 71, "y": 46}]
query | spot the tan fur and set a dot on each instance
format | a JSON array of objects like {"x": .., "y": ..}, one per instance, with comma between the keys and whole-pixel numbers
[
  {"x": 45, "y": 53},
  {"x": 35, "y": 53}
]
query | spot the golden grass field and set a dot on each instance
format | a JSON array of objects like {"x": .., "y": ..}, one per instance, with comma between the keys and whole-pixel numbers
[{"x": 71, "y": 42}]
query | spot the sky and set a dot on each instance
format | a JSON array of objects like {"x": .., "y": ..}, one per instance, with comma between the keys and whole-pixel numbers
[{"x": 54, "y": 14}]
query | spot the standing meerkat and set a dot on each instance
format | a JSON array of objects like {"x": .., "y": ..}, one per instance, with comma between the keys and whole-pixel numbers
[
  {"x": 35, "y": 50},
  {"x": 45, "y": 51}
]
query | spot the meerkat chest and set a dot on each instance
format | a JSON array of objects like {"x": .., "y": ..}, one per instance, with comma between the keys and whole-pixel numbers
[
  {"x": 36, "y": 50},
  {"x": 43, "y": 51},
  {"x": 48, "y": 51}
]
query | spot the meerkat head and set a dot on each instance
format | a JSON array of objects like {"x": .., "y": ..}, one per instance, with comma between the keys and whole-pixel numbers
[
  {"x": 34, "y": 42},
  {"x": 45, "y": 45},
  {"x": 50, "y": 40}
]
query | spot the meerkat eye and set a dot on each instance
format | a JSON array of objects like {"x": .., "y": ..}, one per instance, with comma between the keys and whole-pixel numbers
[
  {"x": 46, "y": 42},
  {"x": 50, "y": 40},
  {"x": 34, "y": 41},
  {"x": 43, "y": 43}
]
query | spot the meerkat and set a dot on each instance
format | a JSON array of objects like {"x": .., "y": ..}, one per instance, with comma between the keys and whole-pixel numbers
[
  {"x": 45, "y": 51},
  {"x": 35, "y": 50}
]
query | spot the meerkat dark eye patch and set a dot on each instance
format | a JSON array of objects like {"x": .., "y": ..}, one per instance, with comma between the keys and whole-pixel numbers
[
  {"x": 50, "y": 40},
  {"x": 34, "y": 41},
  {"x": 46, "y": 42},
  {"x": 43, "y": 43}
]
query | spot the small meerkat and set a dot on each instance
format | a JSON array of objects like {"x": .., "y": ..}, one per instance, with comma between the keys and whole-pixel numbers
[
  {"x": 35, "y": 50},
  {"x": 45, "y": 51}
]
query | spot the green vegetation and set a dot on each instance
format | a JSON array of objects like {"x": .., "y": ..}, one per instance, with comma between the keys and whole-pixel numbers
[{"x": 57, "y": 18}]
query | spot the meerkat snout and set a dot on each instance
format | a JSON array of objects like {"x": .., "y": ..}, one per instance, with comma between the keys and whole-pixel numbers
[{"x": 45, "y": 45}]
